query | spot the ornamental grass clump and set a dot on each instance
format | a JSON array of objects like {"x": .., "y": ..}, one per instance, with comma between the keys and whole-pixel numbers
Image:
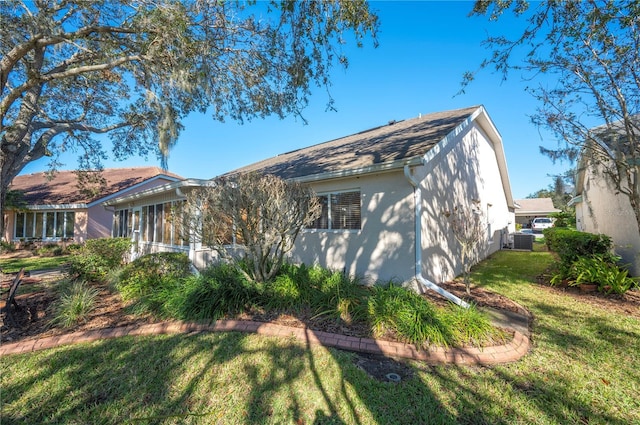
[
  {"x": 413, "y": 318},
  {"x": 76, "y": 302},
  {"x": 393, "y": 308}
]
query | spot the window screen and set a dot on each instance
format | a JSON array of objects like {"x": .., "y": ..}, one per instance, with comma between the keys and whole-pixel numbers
[{"x": 339, "y": 211}]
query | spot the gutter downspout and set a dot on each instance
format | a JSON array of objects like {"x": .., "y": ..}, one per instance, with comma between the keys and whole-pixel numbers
[{"x": 417, "y": 199}]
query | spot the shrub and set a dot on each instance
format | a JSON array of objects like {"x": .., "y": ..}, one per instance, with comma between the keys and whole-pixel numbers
[
  {"x": 7, "y": 246},
  {"x": 571, "y": 244},
  {"x": 149, "y": 272},
  {"x": 468, "y": 326},
  {"x": 97, "y": 257},
  {"x": 49, "y": 250},
  {"x": 75, "y": 304},
  {"x": 219, "y": 291}
]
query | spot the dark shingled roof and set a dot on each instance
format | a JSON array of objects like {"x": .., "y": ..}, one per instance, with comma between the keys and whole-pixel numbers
[
  {"x": 64, "y": 189},
  {"x": 394, "y": 141}
]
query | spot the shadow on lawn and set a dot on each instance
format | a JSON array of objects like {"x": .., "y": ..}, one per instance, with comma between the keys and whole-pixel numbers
[{"x": 128, "y": 380}]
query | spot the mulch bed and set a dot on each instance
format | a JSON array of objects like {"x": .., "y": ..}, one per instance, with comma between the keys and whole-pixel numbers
[{"x": 34, "y": 318}]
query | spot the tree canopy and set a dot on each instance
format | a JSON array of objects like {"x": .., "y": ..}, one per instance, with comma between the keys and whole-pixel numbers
[
  {"x": 588, "y": 53},
  {"x": 71, "y": 70}
]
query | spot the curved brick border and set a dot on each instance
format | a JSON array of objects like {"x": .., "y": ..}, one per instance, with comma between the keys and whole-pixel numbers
[{"x": 509, "y": 352}]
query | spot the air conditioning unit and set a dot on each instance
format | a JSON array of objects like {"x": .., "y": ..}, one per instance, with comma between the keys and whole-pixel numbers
[{"x": 523, "y": 241}]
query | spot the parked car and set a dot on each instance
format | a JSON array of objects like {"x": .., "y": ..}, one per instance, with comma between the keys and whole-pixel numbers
[{"x": 541, "y": 223}]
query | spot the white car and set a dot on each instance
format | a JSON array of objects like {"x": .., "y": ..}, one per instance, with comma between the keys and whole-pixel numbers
[{"x": 541, "y": 223}]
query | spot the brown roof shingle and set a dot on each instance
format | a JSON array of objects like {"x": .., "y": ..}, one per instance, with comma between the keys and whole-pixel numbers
[
  {"x": 532, "y": 206},
  {"x": 64, "y": 187},
  {"x": 394, "y": 141}
]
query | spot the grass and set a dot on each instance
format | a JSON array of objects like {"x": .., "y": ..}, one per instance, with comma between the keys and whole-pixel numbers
[
  {"x": 582, "y": 369},
  {"x": 13, "y": 265}
]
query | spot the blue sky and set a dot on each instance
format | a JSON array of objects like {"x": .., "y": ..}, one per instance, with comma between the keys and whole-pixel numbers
[{"x": 425, "y": 47}]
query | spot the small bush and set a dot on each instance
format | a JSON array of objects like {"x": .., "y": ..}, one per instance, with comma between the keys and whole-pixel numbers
[
  {"x": 97, "y": 257},
  {"x": 7, "y": 247},
  {"x": 469, "y": 326},
  {"x": 49, "y": 250},
  {"x": 147, "y": 273},
  {"x": 75, "y": 304},
  {"x": 415, "y": 319},
  {"x": 217, "y": 292}
]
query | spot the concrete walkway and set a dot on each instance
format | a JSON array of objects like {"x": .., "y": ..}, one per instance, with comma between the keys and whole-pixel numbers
[{"x": 509, "y": 352}]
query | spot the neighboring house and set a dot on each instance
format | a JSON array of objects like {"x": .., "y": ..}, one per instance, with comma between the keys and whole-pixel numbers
[
  {"x": 59, "y": 209},
  {"x": 601, "y": 209},
  {"x": 530, "y": 208},
  {"x": 384, "y": 191}
]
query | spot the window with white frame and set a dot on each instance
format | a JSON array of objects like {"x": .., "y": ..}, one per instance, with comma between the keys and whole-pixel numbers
[
  {"x": 156, "y": 224},
  {"x": 49, "y": 225},
  {"x": 340, "y": 210}
]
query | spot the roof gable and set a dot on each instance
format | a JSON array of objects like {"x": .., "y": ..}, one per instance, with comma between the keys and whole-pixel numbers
[
  {"x": 395, "y": 141},
  {"x": 532, "y": 206},
  {"x": 38, "y": 189}
]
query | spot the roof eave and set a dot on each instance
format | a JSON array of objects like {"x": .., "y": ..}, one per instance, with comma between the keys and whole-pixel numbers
[
  {"x": 48, "y": 207},
  {"x": 105, "y": 199},
  {"x": 157, "y": 190}
]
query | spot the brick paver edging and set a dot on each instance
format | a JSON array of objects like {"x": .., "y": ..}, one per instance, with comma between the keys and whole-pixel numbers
[{"x": 509, "y": 352}]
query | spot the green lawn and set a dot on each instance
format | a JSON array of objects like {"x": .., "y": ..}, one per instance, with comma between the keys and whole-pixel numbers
[
  {"x": 13, "y": 265},
  {"x": 583, "y": 368}
]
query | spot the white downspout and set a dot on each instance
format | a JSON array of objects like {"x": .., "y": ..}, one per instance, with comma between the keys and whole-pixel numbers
[{"x": 417, "y": 199}]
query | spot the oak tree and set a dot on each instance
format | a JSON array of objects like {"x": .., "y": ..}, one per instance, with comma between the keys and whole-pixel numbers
[{"x": 72, "y": 70}]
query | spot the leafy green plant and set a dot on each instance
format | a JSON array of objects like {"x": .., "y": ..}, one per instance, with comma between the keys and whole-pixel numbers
[
  {"x": 217, "y": 292},
  {"x": 146, "y": 273},
  {"x": 49, "y": 250},
  {"x": 339, "y": 295},
  {"x": 602, "y": 271},
  {"x": 94, "y": 260},
  {"x": 76, "y": 302},
  {"x": 415, "y": 319},
  {"x": 7, "y": 246},
  {"x": 468, "y": 326}
]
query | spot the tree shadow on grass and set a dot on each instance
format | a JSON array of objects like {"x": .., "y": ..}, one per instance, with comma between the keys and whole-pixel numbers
[{"x": 240, "y": 378}]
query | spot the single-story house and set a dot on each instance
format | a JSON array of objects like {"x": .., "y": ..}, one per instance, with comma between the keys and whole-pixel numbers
[
  {"x": 60, "y": 209},
  {"x": 385, "y": 191},
  {"x": 530, "y": 208},
  {"x": 601, "y": 208}
]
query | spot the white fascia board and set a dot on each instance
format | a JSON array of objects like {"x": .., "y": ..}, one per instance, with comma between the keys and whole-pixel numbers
[
  {"x": 369, "y": 169},
  {"x": 132, "y": 187},
  {"x": 158, "y": 190}
]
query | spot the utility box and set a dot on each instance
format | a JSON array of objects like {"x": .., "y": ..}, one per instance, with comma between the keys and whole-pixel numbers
[{"x": 523, "y": 241}]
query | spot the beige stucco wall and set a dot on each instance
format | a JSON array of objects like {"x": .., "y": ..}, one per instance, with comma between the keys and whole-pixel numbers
[
  {"x": 604, "y": 211},
  {"x": 383, "y": 249},
  {"x": 466, "y": 172}
]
